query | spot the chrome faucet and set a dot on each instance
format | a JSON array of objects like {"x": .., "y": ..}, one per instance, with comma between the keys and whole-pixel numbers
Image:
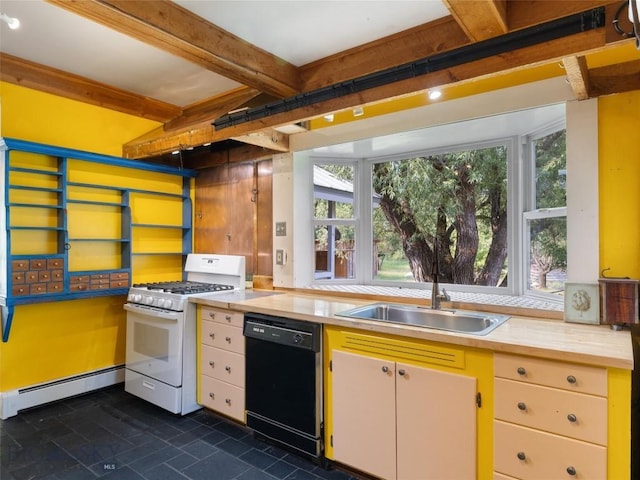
[{"x": 436, "y": 295}]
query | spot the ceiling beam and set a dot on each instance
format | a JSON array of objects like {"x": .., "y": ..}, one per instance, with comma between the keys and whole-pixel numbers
[
  {"x": 170, "y": 27},
  {"x": 208, "y": 110},
  {"x": 622, "y": 77},
  {"x": 270, "y": 138},
  {"x": 480, "y": 19},
  {"x": 63, "y": 84},
  {"x": 577, "y": 76}
]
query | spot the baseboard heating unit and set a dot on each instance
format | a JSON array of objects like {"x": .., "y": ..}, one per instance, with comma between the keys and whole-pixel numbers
[{"x": 13, "y": 401}]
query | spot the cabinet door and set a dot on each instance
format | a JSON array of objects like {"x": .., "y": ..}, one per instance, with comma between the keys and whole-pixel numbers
[
  {"x": 364, "y": 418},
  {"x": 436, "y": 424}
]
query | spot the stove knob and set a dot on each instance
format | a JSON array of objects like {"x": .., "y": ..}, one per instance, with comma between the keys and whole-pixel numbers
[
  {"x": 148, "y": 299},
  {"x": 161, "y": 302},
  {"x": 297, "y": 338},
  {"x": 137, "y": 297},
  {"x": 168, "y": 303},
  {"x": 131, "y": 297}
]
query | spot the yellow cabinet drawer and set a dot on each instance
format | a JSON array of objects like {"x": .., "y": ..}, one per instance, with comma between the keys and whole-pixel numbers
[
  {"x": 571, "y": 414},
  {"x": 225, "y": 317},
  {"x": 223, "y": 365},
  {"x": 530, "y": 454},
  {"x": 568, "y": 376},
  {"x": 222, "y": 336},
  {"x": 222, "y": 397}
]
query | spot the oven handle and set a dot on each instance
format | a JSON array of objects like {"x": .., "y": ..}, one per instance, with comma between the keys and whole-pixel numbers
[{"x": 153, "y": 312}]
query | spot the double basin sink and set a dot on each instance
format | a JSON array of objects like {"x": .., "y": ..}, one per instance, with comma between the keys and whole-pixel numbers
[{"x": 461, "y": 321}]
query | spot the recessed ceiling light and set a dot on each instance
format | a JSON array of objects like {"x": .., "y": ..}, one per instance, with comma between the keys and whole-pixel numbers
[
  {"x": 13, "y": 22},
  {"x": 329, "y": 117},
  {"x": 358, "y": 111},
  {"x": 434, "y": 94},
  {"x": 175, "y": 152}
]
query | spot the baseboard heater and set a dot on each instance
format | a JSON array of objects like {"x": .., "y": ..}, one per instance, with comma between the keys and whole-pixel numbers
[{"x": 13, "y": 401}]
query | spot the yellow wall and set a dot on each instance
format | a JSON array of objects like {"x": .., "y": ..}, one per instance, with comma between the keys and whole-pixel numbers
[
  {"x": 619, "y": 175},
  {"x": 59, "y": 339}
]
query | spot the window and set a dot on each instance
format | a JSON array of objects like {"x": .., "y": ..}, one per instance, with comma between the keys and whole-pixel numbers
[
  {"x": 334, "y": 221},
  {"x": 480, "y": 201},
  {"x": 545, "y": 215}
]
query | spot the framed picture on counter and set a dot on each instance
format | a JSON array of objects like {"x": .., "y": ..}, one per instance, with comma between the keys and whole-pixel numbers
[{"x": 582, "y": 303}]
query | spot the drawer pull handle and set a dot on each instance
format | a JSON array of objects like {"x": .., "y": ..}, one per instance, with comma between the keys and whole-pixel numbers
[
  {"x": 228, "y": 401},
  {"x": 521, "y": 371},
  {"x": 228, "y": 368},
  {"x": 571, "y": 471},
  {"x": 521, "y": 456},
  {"x": 572, "y": 418},
  {"x": 228, "y": 318},
  {"x": 571, "y": 379},
  {"x": 228, "y": 339},
  {"x": 522, "y": 406},
  {"x": 212, "y": 395},
  {"x": 212, "y": 315},
  {"x": 212, "y": 335},
  {"x": 401, "y": 372},
  {"x": 385, "y": 369},
  {"x": 212, "y": 363}
]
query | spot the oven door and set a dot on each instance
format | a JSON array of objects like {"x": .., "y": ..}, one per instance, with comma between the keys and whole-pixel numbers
[{"x": 154, "y": 343}]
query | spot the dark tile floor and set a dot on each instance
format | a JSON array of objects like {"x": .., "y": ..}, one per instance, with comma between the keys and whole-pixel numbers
[{"x": 111, "y": 434}]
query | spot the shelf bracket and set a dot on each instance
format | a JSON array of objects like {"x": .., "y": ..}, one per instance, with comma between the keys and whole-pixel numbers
[{"x": 7, "y": 318}]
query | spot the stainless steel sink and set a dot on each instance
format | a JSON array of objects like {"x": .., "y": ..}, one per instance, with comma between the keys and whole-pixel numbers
[{"x": 462, "y": 321}]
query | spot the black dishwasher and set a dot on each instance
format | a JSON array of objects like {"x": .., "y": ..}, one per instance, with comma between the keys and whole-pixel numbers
[{"x": 284, "y": 381}]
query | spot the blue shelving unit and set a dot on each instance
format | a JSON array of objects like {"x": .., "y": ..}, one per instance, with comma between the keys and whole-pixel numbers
[{"x": 37, "y": 207}]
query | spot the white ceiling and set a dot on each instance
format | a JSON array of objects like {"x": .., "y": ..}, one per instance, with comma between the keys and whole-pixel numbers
[{"x": 298, "y": 31}]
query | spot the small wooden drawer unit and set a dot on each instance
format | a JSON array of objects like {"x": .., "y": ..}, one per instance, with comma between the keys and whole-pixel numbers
[
  {"x": 550, "y": 419},
  {"x": 222, "y": 362},
  {"x": 37, "y": 276}
]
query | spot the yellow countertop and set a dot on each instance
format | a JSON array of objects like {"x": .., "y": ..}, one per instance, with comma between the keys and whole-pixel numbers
[{"x": 553, "y": 339}]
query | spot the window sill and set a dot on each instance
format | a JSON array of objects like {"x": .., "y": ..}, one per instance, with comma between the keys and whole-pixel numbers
[{"x": 525, "y": 305}]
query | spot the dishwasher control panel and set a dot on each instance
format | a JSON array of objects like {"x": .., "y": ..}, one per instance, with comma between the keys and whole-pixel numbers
[{"x": 283, "y": 331}]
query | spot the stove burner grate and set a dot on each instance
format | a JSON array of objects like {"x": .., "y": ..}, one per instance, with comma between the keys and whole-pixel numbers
[{"x": 184, "y": 288}]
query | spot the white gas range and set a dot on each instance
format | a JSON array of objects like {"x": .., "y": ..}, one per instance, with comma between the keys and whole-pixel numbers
[{"x": 161, "y": 330}]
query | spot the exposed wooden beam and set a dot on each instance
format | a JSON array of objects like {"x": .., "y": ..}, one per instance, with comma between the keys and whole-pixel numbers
[
  {"x": 480, "y": 19},
  {"x": 210, "y": 109},
  {"x": 577, "y": 75},
  {"x": 435, "y": 37},
  {"x": 46, "y": 79},
  {"x": 271, "y": 139},
  {"x": 170, "y": 27},
  {"x": 622, "y": 77}
]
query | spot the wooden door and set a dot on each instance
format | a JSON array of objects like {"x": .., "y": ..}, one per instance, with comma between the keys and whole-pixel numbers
[
  {"x": 436, "y": 424},
  {"x": 364, "y": 418}
]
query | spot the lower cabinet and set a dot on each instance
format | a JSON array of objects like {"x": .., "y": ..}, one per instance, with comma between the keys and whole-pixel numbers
[
  {"x": 550, "y": 419},
  {"x": 399, "y": 421},
  {"x": 221, "y": 362}
]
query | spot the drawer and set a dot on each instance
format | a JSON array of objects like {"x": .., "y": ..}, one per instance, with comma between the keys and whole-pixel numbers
[
  {"x": 119, "y": 284},
  {"x": 79, "y": 287},
  {"x": 32, "y": 276},
  {"x": 44, "y": 276},
  {"x": 100, "y": 286},
  {"x": 223, "y": 365},
  {"x": 38, "y": 264},
  {"x": 568, "y": 376},
  {"x": 53, "y": 263},
  {"x": 530, "y": 454},
  {"x": 119, "y": 276},
  {"x": 222, "y": 397},
  {"x": 222, "y": 336},
  {"x": 226, "y": 317},
  {"x": 79, "y": 279},
  {"x": 55, "y": 287},
  {"x": 571, "y": 414},
  {"x": 38, "y": 288},
  {"x": 20, "y": 265},
  {"x": 100, "y": 277},
  {"x": 18, "y": 290},
  {"x": 17, "y": 277},
  {"x": 57, "y": 275},
  {"x": 99, "y": 280}
]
